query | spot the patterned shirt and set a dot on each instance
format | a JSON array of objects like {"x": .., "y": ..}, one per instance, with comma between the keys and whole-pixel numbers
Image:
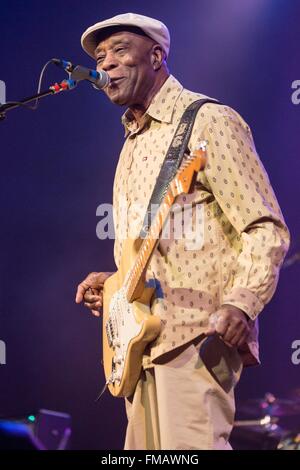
[{"x": 236, "y": 237}]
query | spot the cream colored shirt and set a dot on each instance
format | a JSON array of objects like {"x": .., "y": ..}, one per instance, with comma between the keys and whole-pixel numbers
[{"x": 237, "y": 239}]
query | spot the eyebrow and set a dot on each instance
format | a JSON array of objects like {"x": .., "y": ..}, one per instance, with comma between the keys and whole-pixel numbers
[{"x": 114, "y": 43}]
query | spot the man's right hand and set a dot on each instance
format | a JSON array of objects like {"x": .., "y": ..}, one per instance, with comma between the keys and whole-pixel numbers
[{"x": 91, "y": 291}]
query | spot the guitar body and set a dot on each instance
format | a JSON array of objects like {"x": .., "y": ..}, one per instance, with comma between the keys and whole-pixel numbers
[{"x": 127, "y": 327}]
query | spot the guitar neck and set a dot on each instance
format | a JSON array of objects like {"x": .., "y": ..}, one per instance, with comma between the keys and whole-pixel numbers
[
  {"x": 180, "y": 184},
  {"x": 148, "y": 245}
]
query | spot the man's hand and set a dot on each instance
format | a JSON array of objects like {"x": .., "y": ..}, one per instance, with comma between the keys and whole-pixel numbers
[
  {"x": 230, "y": 323},
  {"x": 91, "y": 291}
]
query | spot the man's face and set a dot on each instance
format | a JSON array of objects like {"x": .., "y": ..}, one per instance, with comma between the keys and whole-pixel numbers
[{"x": 126, "y": 57}]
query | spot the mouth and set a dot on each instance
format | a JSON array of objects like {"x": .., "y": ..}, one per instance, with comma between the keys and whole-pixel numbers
[{"x": 116, "y": 80}]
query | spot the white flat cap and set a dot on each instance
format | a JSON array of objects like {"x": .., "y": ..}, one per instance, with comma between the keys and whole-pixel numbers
[{"x": 155, "y": 29}]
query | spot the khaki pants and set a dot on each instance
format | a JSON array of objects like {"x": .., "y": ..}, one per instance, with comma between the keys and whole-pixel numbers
[{"x": 186, "y": 401}]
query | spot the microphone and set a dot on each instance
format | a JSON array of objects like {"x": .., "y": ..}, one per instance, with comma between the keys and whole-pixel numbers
[{"x": 77, "y": 72}]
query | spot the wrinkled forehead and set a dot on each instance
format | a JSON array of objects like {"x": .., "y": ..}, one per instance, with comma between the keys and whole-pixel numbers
[{"x": 116, "y": 34}]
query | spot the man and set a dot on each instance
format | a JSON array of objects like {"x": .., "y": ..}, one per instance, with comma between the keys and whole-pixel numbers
[{"x": 208, "y": 295}]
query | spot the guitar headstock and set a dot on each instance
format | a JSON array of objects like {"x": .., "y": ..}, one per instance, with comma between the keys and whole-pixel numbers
[{"x": 193, "y": 163}]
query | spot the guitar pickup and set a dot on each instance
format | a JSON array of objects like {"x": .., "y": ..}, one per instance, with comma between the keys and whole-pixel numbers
[{"x": 109, "y": 333}]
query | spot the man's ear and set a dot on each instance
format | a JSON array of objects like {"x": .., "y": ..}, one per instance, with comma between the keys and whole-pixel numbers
[{"x": 157, "y": 56}]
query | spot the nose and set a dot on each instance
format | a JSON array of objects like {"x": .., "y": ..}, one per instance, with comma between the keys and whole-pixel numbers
[{"x": 110, "y": 62}]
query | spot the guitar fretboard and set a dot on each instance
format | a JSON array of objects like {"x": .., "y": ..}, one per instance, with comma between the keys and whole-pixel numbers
[{"x": 180, "y": 184}]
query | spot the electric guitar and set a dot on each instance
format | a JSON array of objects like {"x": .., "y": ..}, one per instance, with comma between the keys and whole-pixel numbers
[{"x": 128, "y": 325}]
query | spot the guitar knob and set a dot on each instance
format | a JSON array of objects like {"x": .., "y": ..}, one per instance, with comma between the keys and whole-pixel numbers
[
  {"x": 117, "y": 377},
  {"x": 118, "y": 359}
]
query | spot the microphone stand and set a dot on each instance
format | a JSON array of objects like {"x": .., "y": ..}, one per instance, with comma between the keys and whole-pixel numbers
[{"x": 53, "y": 90}]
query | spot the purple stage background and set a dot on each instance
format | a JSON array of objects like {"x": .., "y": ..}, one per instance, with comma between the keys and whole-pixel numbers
[{"x": 57, "y": 166}]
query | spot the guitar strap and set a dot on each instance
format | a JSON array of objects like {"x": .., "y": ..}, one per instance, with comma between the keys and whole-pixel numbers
[{"x": 172, "y": 160}]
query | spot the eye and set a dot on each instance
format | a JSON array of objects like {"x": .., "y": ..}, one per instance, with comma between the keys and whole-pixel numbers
[
  {"x": 120, "y": 49},
  {"x": 100, "y": 59}
]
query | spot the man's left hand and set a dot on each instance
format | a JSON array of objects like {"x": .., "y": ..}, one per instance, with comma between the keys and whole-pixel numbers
[{"x": 231, "y": 324}]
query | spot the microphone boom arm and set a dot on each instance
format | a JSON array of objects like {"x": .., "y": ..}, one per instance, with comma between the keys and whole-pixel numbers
[
  {"x": 76, "y": 74},
  {"x": 53, "y": 90}
]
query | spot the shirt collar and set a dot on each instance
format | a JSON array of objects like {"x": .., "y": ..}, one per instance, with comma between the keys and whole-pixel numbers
[{"x": 161, "y": 107}]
